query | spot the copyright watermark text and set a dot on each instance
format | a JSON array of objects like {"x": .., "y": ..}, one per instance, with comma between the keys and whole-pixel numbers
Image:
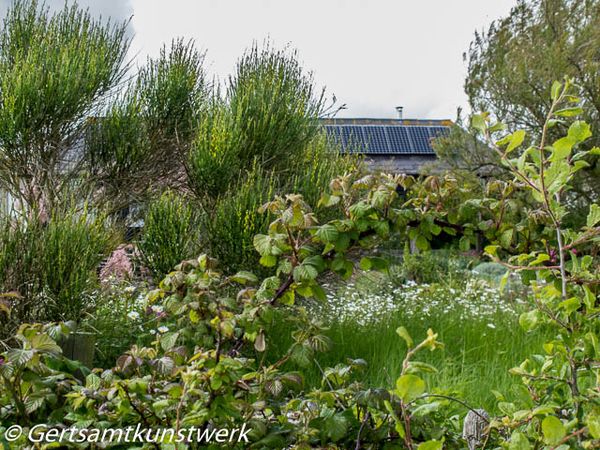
[{"x": 42, "y": 433}]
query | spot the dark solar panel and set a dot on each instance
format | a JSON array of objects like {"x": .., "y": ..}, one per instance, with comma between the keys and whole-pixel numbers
[
  {"x": 399, "y": 139},
  {"x": 352, "y": 138},
  {"x": 375, "y": 139},
  {"x": 385, "y": 139},
  {"x": 420, "y": 139},
  {"x": 436, "y": 132},
  {"x": 333, "y": 134}
]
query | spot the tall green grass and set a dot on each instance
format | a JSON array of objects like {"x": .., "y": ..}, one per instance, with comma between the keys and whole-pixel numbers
[{"x": 474, "y": 362}]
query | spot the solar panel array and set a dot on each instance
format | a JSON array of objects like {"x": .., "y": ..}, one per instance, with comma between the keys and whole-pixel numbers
[{"x": 385, "y": 139}]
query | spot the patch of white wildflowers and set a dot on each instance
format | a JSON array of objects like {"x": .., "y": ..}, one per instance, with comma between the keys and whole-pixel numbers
[{"x": 476, "y": 299}]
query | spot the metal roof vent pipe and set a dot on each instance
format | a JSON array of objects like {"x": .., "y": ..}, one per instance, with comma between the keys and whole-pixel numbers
[{"x": 400, "y": 109}]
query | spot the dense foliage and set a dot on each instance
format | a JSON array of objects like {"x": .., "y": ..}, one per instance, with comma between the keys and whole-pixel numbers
[
  {"x": 205, "y": 367},
  {"x": 204, "y": 347},
  {"x": 511, "y": 64},
  {"x": 79, "y": 133},
  {"x": 48, "y": 88},
  {"x": 50, "y": 270},
  {"x": 170, "y": 234}
]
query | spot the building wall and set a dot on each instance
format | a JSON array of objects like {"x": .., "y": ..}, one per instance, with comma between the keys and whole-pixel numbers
[{"x": 406, "y": 164}]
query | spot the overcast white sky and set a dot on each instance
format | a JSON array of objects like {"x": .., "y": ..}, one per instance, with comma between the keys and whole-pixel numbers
[{"x": 373, "y": 55}]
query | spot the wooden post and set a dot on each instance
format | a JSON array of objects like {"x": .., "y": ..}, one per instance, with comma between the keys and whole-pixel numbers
[
  {"x": 79, "y": 346},
  {"x": 475, "y": 428}
]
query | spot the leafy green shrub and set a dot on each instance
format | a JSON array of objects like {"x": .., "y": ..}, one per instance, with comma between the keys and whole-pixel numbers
[
  {"x": 56, "y": 69},
  {"x": 214, "y": 162},
  {"x": 52, "y": 266},
  {"x": 263, "y": 138},
  {"x": 170, "y": 233},
  {"x": 172, "y": 92},
  {"x": 234, "y": 220},
  {"x": 119, "y": 320},
  {"x": 143, "y": 139},
  {"x": 73, "y": 247},
  {"x": 490, "y": 270},
  {"x": 433, "y": 266},
  {"x": 275, "y": 106}
]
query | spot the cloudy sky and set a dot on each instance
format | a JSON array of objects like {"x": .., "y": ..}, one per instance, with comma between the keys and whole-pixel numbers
[{"x": 373, "y": 55}]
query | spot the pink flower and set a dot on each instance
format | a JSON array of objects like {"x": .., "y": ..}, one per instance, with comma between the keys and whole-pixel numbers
[{"x": 118, "y": 266}]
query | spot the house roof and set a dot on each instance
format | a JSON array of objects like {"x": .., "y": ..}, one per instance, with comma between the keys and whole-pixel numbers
[{"x": 386, "y": 136}]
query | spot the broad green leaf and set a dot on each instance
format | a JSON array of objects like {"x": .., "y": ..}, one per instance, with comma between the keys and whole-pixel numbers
[
  {"x": 422, "y": 243},
  {"x": 336, "y": 427},
  {"x": 478, "y": 122},
  {"x": 359, "y": 209},
  {"x": 365, "y": 264},
  {"x": 431, "y": 445},
  {"x": 556, "y": 89},
  {"x": 318, "y": 292},
  {"x": 268, "y": 260},
  {"x": 44, "y": 343},
  {"x": 419, "y": 366},
  {"x": 404, "y": 334},
  {"x": 518, "y": 441},
  {"x": 168, "y": 340},
  {"x": 305, "y": 272},
  {"x": 491, "y": 250},
  {"x": 593, "y": 217},
  {"x": 316, "y": 261},
  {"x": 20, "y": 357},
  {"x": 569, "y": 112},
  {"x": 553, "y": 430},
  {"x": 464, "y": 244},
  {"x": 288, "y": 298},
  {"x": 409, "y": 387},
  {"x": 570, "y": 305},
  {"x": 529, "y": 320},
  {"x": 593, "y": 423},
  {"x": 93, "y": 381},
  {"x": 262, "y": 244},
  {"x": 516, "y": 139},
  {"x": 244, "y": 277},
  {"x": 556, "y": 175},
  {"x": 561, "y": 148},
  {"x": 506, "y": 238},
  {"x": 327, "y": 233},
  {"x": 579, "y": 131}
]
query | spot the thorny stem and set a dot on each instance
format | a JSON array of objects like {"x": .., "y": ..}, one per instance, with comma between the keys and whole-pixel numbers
[
  {"x": 544, "y": 192},
  {"x": 16, "y": 396},
  {"x": 573, "y": 385},
  {"x": 404, "y": 406},
  {"x": 366, "y": 418},
  {"x": 564, "y": 440},
  {"x": 561, "y": 255},
  {"x": 338, "y": 401}
]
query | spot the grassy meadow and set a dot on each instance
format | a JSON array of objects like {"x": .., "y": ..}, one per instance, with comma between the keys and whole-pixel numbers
[{"x": 475, "y": 319}]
